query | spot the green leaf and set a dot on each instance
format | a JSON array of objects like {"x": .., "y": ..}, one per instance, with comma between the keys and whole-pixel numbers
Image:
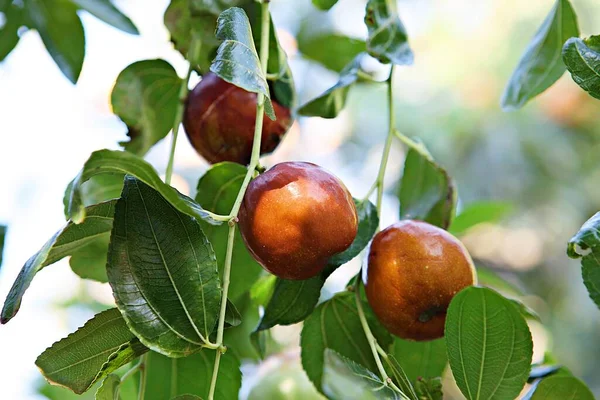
[
  {"x": 478, "y": 213},
  {"x": 145, "y": 97},
  {"x": 421, "y": 359},
  {"x": 109, "y": 390},
  {"x": 585, "y": 245},
  {"x": 331, "y": 103},
  {"x": 293, "y": 301},
  {"x": 89, "y": 261},
  {"x": 106, "y": 12},
  {"x": 332, "y": 50},
  {"x": 67, "y": 241},
  {"x": 400, "y": 377},
  {"x": 345, "y": 379},
  {"x": 335, "y": 325},
  {"x": 214, "y": 7},
  {"x": 387, "y": 39},
  {"x": 2, "y": 239},
  {"x": 540, "y": 66},
  {"x": 562, "y": 387},
  {"x": 110, "y": 161},
  {"x": 488, "y": 278},
  {"x": 324, "y": 4},
  {"x": 14, "y": 19},
  {"x": 489, "y": 345},
  {"x": 216, "y": 192},
  {"x": 187, "y": 397},
  {"x": 430, "y": 389},
  {"x": 232, "y": 315},
  {"x": 163, "y": 272},
  {"x": 92, "y": 352},
  {"x": 61, "y": 31},
  {"x": 426, "y": 190},
  {"x": 170, "y": 377},
  {"x": 97, "y": 189},
  {"x": 582, "y": 58},
  {"x": 237, "y": 61}
]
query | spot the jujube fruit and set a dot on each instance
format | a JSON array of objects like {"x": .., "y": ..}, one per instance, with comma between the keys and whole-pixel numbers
[
  {"x": 219, "y": 121},
  {"x": 294, "y": 217},
  {"x": 414, "y": 271}
]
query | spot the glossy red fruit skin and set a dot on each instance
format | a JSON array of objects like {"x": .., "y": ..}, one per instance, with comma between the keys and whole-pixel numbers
[
  {"x": 219, "y": 121},
  {"x": 294, "y": 217},
  {"x": 414, "y": 271}
]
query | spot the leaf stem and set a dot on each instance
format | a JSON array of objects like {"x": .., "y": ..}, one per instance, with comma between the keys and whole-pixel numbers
[
  {"x": 132, "y": 370},
  {"x": 183, "y": 92},
  {"x": 142, "y": 368},
  {"x": 254, "y": 159}
]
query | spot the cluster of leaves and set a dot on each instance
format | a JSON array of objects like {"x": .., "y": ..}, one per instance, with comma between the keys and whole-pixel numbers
[
  {"x": 163, "y": 253},
  {"x": 59, "y": 26},
  {"x": 557, "y": 47}
]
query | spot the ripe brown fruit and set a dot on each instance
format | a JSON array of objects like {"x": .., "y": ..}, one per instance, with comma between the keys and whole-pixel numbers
[
  {"x": 414, "y": 270},
  {"x": 219, "y": 121},
  {"x": 294, "y": 217}
]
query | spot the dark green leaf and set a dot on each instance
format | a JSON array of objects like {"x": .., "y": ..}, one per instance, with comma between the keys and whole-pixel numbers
[
  {"x": 61, "y": 31},
  {"x": 163, "y": 272},
  {"x": 478, "y": 213},
  {"x": 98, "y": 188},
  {"x": 421, "y": 359},
  {"x": 237, "y": 61},
  {"x": 387, "y": 39},
  {"x": 582, "y": 58},
  {"x": 232, "y": 315},
  {"x": 344, "y": 379},
  {"x": 170, "y": 377},
  {"x": 430, "y": 389},
  {"x": 9, "y": 31},
  {"x": 105, "y": 11},
  {"x": 368, "y": 222},
  {"x": 324, "y": 4},
  {"x": 145, "y": 97},
  {"x": 489, "y": 345},
  {"x": 399, "y": 376},
  {"x": 332, "y": 50},
  {"x": 216, "y": 192},
  {"x": 293, "y": 301},
  {"x": 335, "y": 325},
  {"x": 89, "y": 261},
  {"x": 426, "y": 190},
  {"x": 68, "y": 241},
  {"x": 2, "y": 239},
  {"x": 331, "y": 103},
  {"x": 585, "y": 244},
  {"x": 109, "y": 161},
  {"x": 540, "y": 66},
  {"x": 109, "y": 390},
  {"x": 562, "y": 387},
  {"x": 92, "y": 352}
]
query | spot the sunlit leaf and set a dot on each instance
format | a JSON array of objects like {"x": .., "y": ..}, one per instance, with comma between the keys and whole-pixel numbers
[
  {"x": 562, "y": 387},
  {"x": 332, "y": 50},
  {"x": 68, "y": 241},
  {"x": 331, "y": 103},
  {"x": 582, "y": 58},
  {"x": 343, "y": 377},
  {"x": 489, "y": 345},
  {"x": 163, "y": 272},
  {"x": 335, "y": 325},
  {"x": 421, "y": 359},
  {"x": 324, "y": 4},
  {"x": 387, "y": 40},
  {"x": 216, "y": 192},
  {"x": 237, "y": 61},
  {"x": 92, "y": 352},
  {"x": 426, "y": 192},
  {"x": 170, "y": 377},
  {"x": 122, "y": 162},
  {"x": 109, "y": 390},
  {"x": 541, "y": 65},
  {"x": 61, "y": 31},
  {"x": 105, "y": 11},
  {"x": 586, "y": 245},
  {"x": 478, "y": 213}
]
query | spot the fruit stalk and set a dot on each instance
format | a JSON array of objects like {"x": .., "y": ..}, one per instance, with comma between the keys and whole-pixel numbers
[
  {"x": 260, "y": 111},
  {"x": 183, "y": 92}
]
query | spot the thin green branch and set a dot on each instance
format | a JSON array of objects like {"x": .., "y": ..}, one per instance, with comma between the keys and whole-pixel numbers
[
  {"x": 260, "y": 111},
  {"x": 132, "y": 370},
  {"x": 143, "y": 375}
]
